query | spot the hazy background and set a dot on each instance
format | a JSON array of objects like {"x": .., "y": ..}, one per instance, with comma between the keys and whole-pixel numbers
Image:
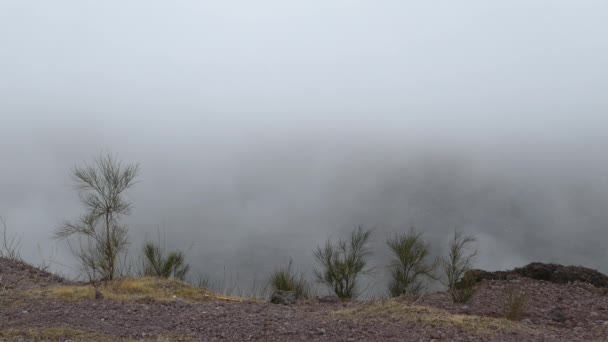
[{"x": 265, "y": 127}]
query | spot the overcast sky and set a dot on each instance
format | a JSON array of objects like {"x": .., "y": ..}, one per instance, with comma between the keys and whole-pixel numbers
[{"x": 264, "y": 127}]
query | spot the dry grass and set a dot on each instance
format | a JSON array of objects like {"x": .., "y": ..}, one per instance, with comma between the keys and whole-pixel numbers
[
  {"x": 51, "y": 334},
  {"x": 69, "y": 334},
  {"x": 514, "y": 304},
  {"x": 429, "y": 316},
  {"x": 144, "y": 288}
]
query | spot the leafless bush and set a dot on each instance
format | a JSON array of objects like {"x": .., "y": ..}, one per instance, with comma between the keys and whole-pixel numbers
[
  {"x": 101, "y": 238},
  {"x": 10, "y": 244}
]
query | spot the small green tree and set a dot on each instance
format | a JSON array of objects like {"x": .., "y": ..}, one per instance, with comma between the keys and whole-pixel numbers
[
  {"x": 409, "y": 264},
  {"x": 159, "y": 264},
  {"x": 342, "y": 263},
  {"x": 459, "y": 261},
  {"x": 102, "y": 237},
  {"x": 285, "y": 279}
]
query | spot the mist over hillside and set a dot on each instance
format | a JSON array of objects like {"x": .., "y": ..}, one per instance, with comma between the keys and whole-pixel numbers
[{"x": 264, "y": 129}]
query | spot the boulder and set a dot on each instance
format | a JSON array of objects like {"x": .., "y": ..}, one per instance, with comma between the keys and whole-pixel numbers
[
  {"x": 557, "y": 314},
  {"x": 283, "y": 297}
]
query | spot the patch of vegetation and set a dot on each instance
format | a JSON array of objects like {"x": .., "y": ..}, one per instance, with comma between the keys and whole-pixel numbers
[
  {"x": 75, "y": 335},
  {"x": 514, "y": 304},
  {"x": 157, "y": 263},
  {"x": 285, "y": 279},
  {"x": 464, "y": 289},
  {"x": 459, "y": 261},
  {"x": 343, "y": 263},
  {"x": 52, "y": 334},
  {"x": 429, "y": 316},
  {"x": 409, "y": 263},
  {"x": 102, "y": 239},
  {"x": 133, "y": 289},
  {"x": 10, "y": 244}
]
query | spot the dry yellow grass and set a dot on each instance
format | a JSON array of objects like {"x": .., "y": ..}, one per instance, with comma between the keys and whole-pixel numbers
[
  {"x": 146, "y": 288},
  {"x": 70, "y": 334},
  {"x": 430, "y": 316},
  {"x": 51, "y": 334}
]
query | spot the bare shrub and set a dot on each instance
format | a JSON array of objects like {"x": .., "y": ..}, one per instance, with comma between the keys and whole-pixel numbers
[
  {"x": 343, "y": 262},
  {"x": 101, "y": 238},
  {"x": 10, "y": 244}
]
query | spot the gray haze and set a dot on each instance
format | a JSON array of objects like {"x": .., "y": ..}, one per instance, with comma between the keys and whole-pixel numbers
[{"x": 264, "y": 127}]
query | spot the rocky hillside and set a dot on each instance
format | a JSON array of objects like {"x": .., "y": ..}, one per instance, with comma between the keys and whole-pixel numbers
[{"x": 40, "y": 306}]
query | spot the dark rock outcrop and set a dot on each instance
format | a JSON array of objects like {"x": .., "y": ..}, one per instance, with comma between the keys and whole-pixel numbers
[
  {"x": 554, "y": 273},
  {"x": 563, "y": 274}
]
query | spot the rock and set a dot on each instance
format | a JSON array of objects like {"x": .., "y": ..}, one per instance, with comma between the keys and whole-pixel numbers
[
  {"x": 180, "y": 303},
  {"x": 557, "y": 314},
  {"x": 328, "y": 299},
  {"x": 594, "y": 314},
  {"x": 283, "y": 297},
  {"x": 480, "y": 275}
]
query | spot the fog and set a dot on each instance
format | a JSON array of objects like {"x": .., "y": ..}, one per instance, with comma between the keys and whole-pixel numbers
[{"x": 264, "y": 128}]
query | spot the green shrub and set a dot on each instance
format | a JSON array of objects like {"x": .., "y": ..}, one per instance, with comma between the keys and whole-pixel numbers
[
  {"x": 409, "y": 263},
  {"x": 464, "y": 289},
  {"x": 343, "y": 262},
  {"x": 157, "y": 264},
  {"x": 285, "y": 279},
  {"x": 459, "y": 261}
]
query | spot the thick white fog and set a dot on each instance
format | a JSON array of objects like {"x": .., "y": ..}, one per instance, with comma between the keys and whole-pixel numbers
[{"x": 264, "y": 128}]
